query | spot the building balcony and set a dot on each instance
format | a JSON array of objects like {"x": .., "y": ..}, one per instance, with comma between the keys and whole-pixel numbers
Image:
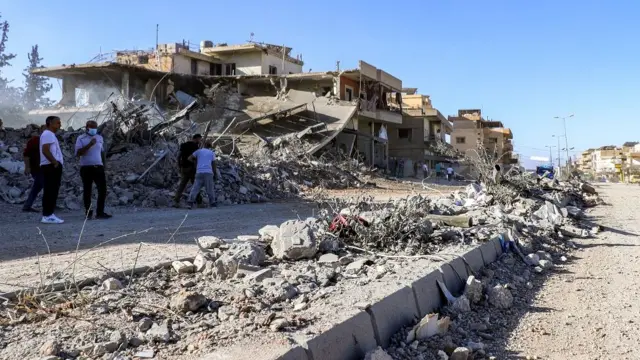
[{"x": 391, "y": 117}]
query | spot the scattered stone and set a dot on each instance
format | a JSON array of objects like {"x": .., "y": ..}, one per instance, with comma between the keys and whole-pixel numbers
[
  {"x": 159, "y": 333},
  {"x": 183, "y": 267},
  {"x": 247, "y": 253},
  {"x": 377, "y": 354},
  {"x": 461, "y": 353},
  {"x": 329, "y": 259},
  {"x": 357, "y": 265},
  {"x": 145, "y": 354},
  {"x": 278, "y": 324},
  {"x": 200, "y": 262},
  {"x": 185, "y": 301},
  {"x": 462, "y": 304},
  {"x": 300, "y": 307},
  {"x": 145, "y": 324},
  {"x": 544, "y": 255},
  {"x": 474, "y": 290},
  {"x": 110, "y": 346},
  {"x": 546, "y": 264},
  {"x": 210, "y": 242},
  {"x": 294, "y": 241},
  {"x": 269, "y": 232},
  {"x": 260, "y": 275},
  {"x": 533, "y": 259},
  {"x": 500, "y": 297},
  {"x": 49, "y": 348},
  {"x": 111, "y": 284},
  {"x": 118, "y": 337},
  {"x": 475, "y": 346},
  {"x": 225, "y": 267}
]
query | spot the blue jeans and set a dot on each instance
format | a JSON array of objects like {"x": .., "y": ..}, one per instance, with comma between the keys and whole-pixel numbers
[
  {"x": 38, "y": 184},
  {"x": 206, "y": 180}
]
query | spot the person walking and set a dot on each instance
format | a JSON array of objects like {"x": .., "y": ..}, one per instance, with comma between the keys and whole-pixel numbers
[
  {"x": 425, "y": 170},
  {"x": 206, "y": 174},
  {"x": 438, "y": 170},
  {"x": 31, "y": 157},
  {"x": 187, "y": 167},
  {"x": 449, "y": 173},
  {"x": 51, "y": 162},
  {"x": 90, "y": 150}
]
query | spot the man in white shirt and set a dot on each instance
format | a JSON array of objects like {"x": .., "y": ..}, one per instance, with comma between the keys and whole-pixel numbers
[
  {"x": 51, "y": 161},
  {"x": 205, "y": 173},
  {"x": 92, "y": 158},
  {"x": 449, "y": 173}
]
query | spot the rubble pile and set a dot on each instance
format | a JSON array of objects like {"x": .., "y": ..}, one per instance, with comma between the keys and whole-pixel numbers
[
  {"x": 537, "y": 240},
  {"x": 289, "y": 278},
  {"x": 144, "y": 173}
]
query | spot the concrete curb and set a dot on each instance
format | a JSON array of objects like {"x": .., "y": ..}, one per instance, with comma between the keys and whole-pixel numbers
[{"x": 354, "y": 337}]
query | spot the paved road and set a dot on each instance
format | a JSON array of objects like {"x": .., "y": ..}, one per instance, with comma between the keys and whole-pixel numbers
[
  {"x": 21, "y": 241},
  {"x": 591, "y": 309}
]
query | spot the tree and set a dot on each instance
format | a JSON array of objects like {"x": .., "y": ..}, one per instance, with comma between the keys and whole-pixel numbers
[
  {"x": 9, "y": 95},
  {"x": 35, "y": 86},
  {"x": 4, "y": 56}
]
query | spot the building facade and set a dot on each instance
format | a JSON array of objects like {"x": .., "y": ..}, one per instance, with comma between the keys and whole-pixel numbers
[
  {"x": 215, "y": 59},
  {"x": 472, "y": 133}
]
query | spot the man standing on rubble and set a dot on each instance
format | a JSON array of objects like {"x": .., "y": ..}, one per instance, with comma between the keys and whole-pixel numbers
[
  {"x": 31, "y": 157},
  {"x": 206, "y": 174},
  {"x": 51, "y": 161},
  {"x": 89, "y": 148},
  {"x": 187, "y": 167}
]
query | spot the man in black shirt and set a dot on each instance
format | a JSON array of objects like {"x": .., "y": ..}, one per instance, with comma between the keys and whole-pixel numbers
[{"x": 187, "y": 168}]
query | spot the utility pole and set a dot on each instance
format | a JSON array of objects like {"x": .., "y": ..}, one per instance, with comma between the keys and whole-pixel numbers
[
  {"x": 566, "y": 141},
  {"x": 559, "y": 158},
  {"x": 550, "y": 154}
]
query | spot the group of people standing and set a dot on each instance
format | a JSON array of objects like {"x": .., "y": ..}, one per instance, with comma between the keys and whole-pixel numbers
[{"x": 44, "y": 162}]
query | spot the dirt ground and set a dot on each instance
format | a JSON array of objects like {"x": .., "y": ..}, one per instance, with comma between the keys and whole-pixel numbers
[
  {"x": 29, "y": 251},
  {"x": 589, "y": 308}
]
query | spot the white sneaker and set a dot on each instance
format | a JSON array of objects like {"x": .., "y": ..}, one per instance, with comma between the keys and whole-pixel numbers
[{"x": 51, "y": 219}]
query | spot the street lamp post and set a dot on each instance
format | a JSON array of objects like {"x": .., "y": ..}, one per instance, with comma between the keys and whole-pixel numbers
[
  {"x": 550, "y": 154},
  {"x": 559, "y": 158},
  {"x": 566, "y": 141}
]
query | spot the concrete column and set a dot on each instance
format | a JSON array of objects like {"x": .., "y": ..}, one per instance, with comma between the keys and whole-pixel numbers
[
  {"x": 125, "y": 85},
  {"x": 373, "y": 143},
  {"x": 68, "y": 91}
]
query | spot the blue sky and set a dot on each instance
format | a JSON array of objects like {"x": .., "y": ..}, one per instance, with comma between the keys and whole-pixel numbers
[{"x": 522, "y": 62}]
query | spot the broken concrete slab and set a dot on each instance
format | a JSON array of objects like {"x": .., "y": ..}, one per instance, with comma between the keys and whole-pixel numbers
[{"x": 294, "y": 241}]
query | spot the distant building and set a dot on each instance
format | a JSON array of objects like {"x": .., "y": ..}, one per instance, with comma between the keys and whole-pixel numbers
[{"x": 472, "y": 132}]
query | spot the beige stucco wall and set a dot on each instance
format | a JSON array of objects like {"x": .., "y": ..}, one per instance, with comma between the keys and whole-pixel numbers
[{"x": 289, "y": 67}]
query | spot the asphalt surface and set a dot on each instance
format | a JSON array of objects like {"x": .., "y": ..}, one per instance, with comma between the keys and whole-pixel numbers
[{"x": 30, "y": 252}]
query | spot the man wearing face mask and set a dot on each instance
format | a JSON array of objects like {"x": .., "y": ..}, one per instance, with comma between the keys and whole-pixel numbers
[{"x": 92, "y": 159}]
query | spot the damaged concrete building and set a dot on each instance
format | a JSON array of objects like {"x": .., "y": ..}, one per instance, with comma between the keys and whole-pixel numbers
[
  {"x": 216, "y": 59},
  {"x": 422, "y": 127},
  {"x": 347, "y": 110},
  {"x": 472, "y": 132}
]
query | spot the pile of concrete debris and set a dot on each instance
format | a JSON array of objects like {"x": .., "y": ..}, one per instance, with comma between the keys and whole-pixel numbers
[
  {"x": 292, "y": 279},
  {"x": 143, "y": 172}
]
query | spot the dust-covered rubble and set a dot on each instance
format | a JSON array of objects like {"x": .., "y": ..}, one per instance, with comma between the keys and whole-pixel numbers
[
  {"x": 145, "y": 173},
  {"x": 286, "y": 284}
]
